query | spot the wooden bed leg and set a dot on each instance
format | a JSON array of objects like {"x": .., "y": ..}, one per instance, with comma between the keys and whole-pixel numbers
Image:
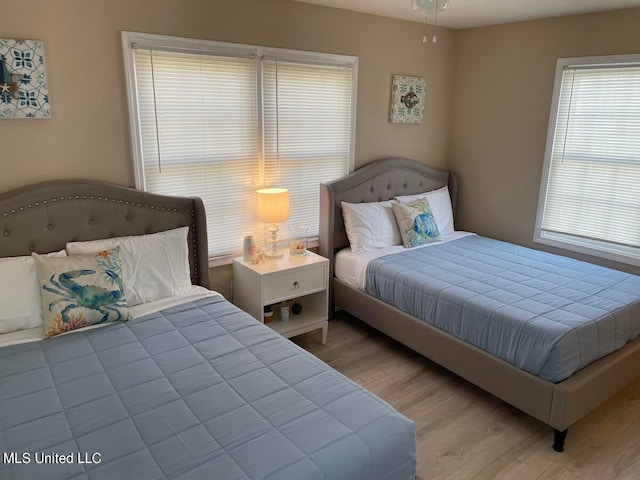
[{"x": 558, "y": 439}]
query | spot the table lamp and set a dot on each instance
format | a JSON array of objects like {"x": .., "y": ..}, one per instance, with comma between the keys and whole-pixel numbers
[{"x": 273, "y": 207}]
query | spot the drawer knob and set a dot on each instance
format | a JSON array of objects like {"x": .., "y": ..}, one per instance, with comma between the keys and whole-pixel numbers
[{"x": 296, "y": 285}]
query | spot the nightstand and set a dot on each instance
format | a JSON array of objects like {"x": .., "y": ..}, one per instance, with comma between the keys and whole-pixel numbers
[{"x": 304, "y": 278}]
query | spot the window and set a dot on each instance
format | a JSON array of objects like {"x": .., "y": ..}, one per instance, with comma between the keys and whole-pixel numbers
[
  {"x": 590, "y": 191},
  {"x": 219, "y": 121}
]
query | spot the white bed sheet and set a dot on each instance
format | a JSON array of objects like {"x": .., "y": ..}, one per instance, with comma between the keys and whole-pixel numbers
[
  {"x": 196, "y": 292},
  {"x": 351, "y": 267}
]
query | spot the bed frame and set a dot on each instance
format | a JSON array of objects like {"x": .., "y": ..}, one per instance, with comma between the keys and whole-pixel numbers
[
  {"x": 43, "y": 217},
  {"x": 556, "y": 404}
]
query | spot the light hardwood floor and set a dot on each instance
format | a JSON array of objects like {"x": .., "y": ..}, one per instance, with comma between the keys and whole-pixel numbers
[{"x": 465, "y": 433}]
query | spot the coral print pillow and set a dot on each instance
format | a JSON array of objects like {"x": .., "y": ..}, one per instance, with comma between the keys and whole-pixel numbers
[
  {"x": 81, "y": 290},
  {"x": 416, "y": 222}
]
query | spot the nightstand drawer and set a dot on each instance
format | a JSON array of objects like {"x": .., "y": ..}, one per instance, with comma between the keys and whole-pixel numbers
[{"x": 293, "y": 284}]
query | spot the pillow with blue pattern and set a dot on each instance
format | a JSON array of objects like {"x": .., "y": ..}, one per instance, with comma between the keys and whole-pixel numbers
[
  {"x": 416, "y": 222},
  {"x": 81, "y": 290}
]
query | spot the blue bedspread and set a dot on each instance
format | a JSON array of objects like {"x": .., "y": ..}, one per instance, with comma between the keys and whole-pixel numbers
[
  {"x": 543, "y": 313},
  {"x": 199, "y": 391}
]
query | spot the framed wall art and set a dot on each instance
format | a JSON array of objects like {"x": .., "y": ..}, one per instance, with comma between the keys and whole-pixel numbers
[
  {"x": 23, "y": 81},
  {"x": 407, "y": 99}
]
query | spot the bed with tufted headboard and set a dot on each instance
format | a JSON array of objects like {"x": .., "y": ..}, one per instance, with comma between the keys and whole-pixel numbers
[
  {"x": 189, "y": 387},
  {"x": 558, "y": 404}
]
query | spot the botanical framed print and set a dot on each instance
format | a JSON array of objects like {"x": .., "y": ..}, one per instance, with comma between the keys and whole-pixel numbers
[
  {"x": 23, "y": 81},
  {"x": 407, "y": 99}
]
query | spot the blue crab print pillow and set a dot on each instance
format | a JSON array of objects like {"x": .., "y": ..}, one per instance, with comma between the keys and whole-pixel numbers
[
  {"x": 416, "y": 222},
  {"x": 81, "y": 290}
]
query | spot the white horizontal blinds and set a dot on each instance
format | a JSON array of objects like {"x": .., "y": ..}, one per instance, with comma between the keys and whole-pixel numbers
[
  {"x": 198, "y": 123},
  {"x": 307, "y": 125},
  {"x": 594, "y": 183}
]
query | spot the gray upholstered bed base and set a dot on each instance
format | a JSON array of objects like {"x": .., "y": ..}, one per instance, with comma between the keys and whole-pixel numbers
[
  {"x": 559, "y": 405},
  {"x": 42, "y": 218}
]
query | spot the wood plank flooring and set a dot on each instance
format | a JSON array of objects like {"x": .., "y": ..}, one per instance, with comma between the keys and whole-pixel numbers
[{"x": 465, "y": 433}]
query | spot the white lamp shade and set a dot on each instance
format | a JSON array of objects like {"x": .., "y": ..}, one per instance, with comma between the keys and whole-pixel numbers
[{"x": 273, "y": 205}]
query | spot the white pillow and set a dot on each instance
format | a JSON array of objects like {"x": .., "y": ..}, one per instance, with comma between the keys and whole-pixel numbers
[
  {"x": 370, "y": 225},
  {"x": 440, "y": 202},
  {"x": 154, "y": 266},
  {"x": 20, "y": 293}
]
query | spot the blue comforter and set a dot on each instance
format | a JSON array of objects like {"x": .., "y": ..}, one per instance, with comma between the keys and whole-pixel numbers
[
  {"x": 543, "y": 313},
  {"x": 199, "y": 391}
]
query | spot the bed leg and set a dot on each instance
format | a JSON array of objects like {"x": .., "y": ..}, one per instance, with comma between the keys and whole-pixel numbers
[{"x": 558, "y": 439}]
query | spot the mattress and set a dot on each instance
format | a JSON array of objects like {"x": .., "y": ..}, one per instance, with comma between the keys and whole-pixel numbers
[
  {"x": 546, "y": 314},
  {"x": 199, "y": 390}
]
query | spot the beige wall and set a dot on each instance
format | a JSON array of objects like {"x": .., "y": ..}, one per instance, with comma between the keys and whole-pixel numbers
[
  {"x": 493, "y": 136},
  {"x": 88, "y": 135},
  {"x": 502, "y": 100}
]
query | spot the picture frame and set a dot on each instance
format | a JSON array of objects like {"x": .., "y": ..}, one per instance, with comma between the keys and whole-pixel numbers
[
  {"x": 407, "y": 99},
  {"x": 23, "y": 81}
]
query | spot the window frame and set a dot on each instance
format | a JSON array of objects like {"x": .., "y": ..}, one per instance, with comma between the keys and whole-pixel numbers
[
  {"x": 596, "y": 248},
  {"x": 200, "y": 46}
]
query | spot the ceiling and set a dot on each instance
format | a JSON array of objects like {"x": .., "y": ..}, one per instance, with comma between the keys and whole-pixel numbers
[{"x": 476, "y": 13}]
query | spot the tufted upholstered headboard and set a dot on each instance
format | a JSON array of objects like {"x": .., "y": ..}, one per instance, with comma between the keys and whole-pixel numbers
[
  {"x": 44, "y": 217},
  {"x": 374, "y": 182}
]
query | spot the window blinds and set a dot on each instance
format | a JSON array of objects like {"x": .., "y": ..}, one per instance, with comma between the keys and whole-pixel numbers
[
  {"x": 593, "y": 188},
  {"x": 307, "y": 128},
  {"x": 198, "y": 123},
  {"x": 219, "y": 127}
]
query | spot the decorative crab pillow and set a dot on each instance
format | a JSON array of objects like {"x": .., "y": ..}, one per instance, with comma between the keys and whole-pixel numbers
[
  {"x": 81, "y": 290},
  {"x": 416, "y": 222}
]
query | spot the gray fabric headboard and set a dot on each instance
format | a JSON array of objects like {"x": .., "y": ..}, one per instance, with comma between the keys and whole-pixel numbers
[
  {"x": 374, "y": 182},
  {"x": 42, "y": 218}
]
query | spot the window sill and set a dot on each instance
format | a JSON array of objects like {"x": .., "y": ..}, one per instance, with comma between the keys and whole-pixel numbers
[{"x": 595, "y": 248}]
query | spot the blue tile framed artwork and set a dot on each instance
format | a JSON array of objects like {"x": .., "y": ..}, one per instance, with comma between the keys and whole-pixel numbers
[
  {"x": 23, "y": 81},
  {"x": 407, "y": 99}
]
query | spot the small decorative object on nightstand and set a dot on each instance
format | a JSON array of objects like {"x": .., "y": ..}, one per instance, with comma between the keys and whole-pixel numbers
[
  {"x": 248, "y": 248},
  {"x": 303, "y": 278},
  {"x": 297, "y": 240}
]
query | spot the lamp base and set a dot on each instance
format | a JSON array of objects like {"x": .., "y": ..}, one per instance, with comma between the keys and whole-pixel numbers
[
  {"x": 272, "y": 242},
  {"x": 275, "y": 254}
]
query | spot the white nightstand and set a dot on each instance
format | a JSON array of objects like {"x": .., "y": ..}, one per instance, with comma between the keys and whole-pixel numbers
[{"x": 304, "y": 278}]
